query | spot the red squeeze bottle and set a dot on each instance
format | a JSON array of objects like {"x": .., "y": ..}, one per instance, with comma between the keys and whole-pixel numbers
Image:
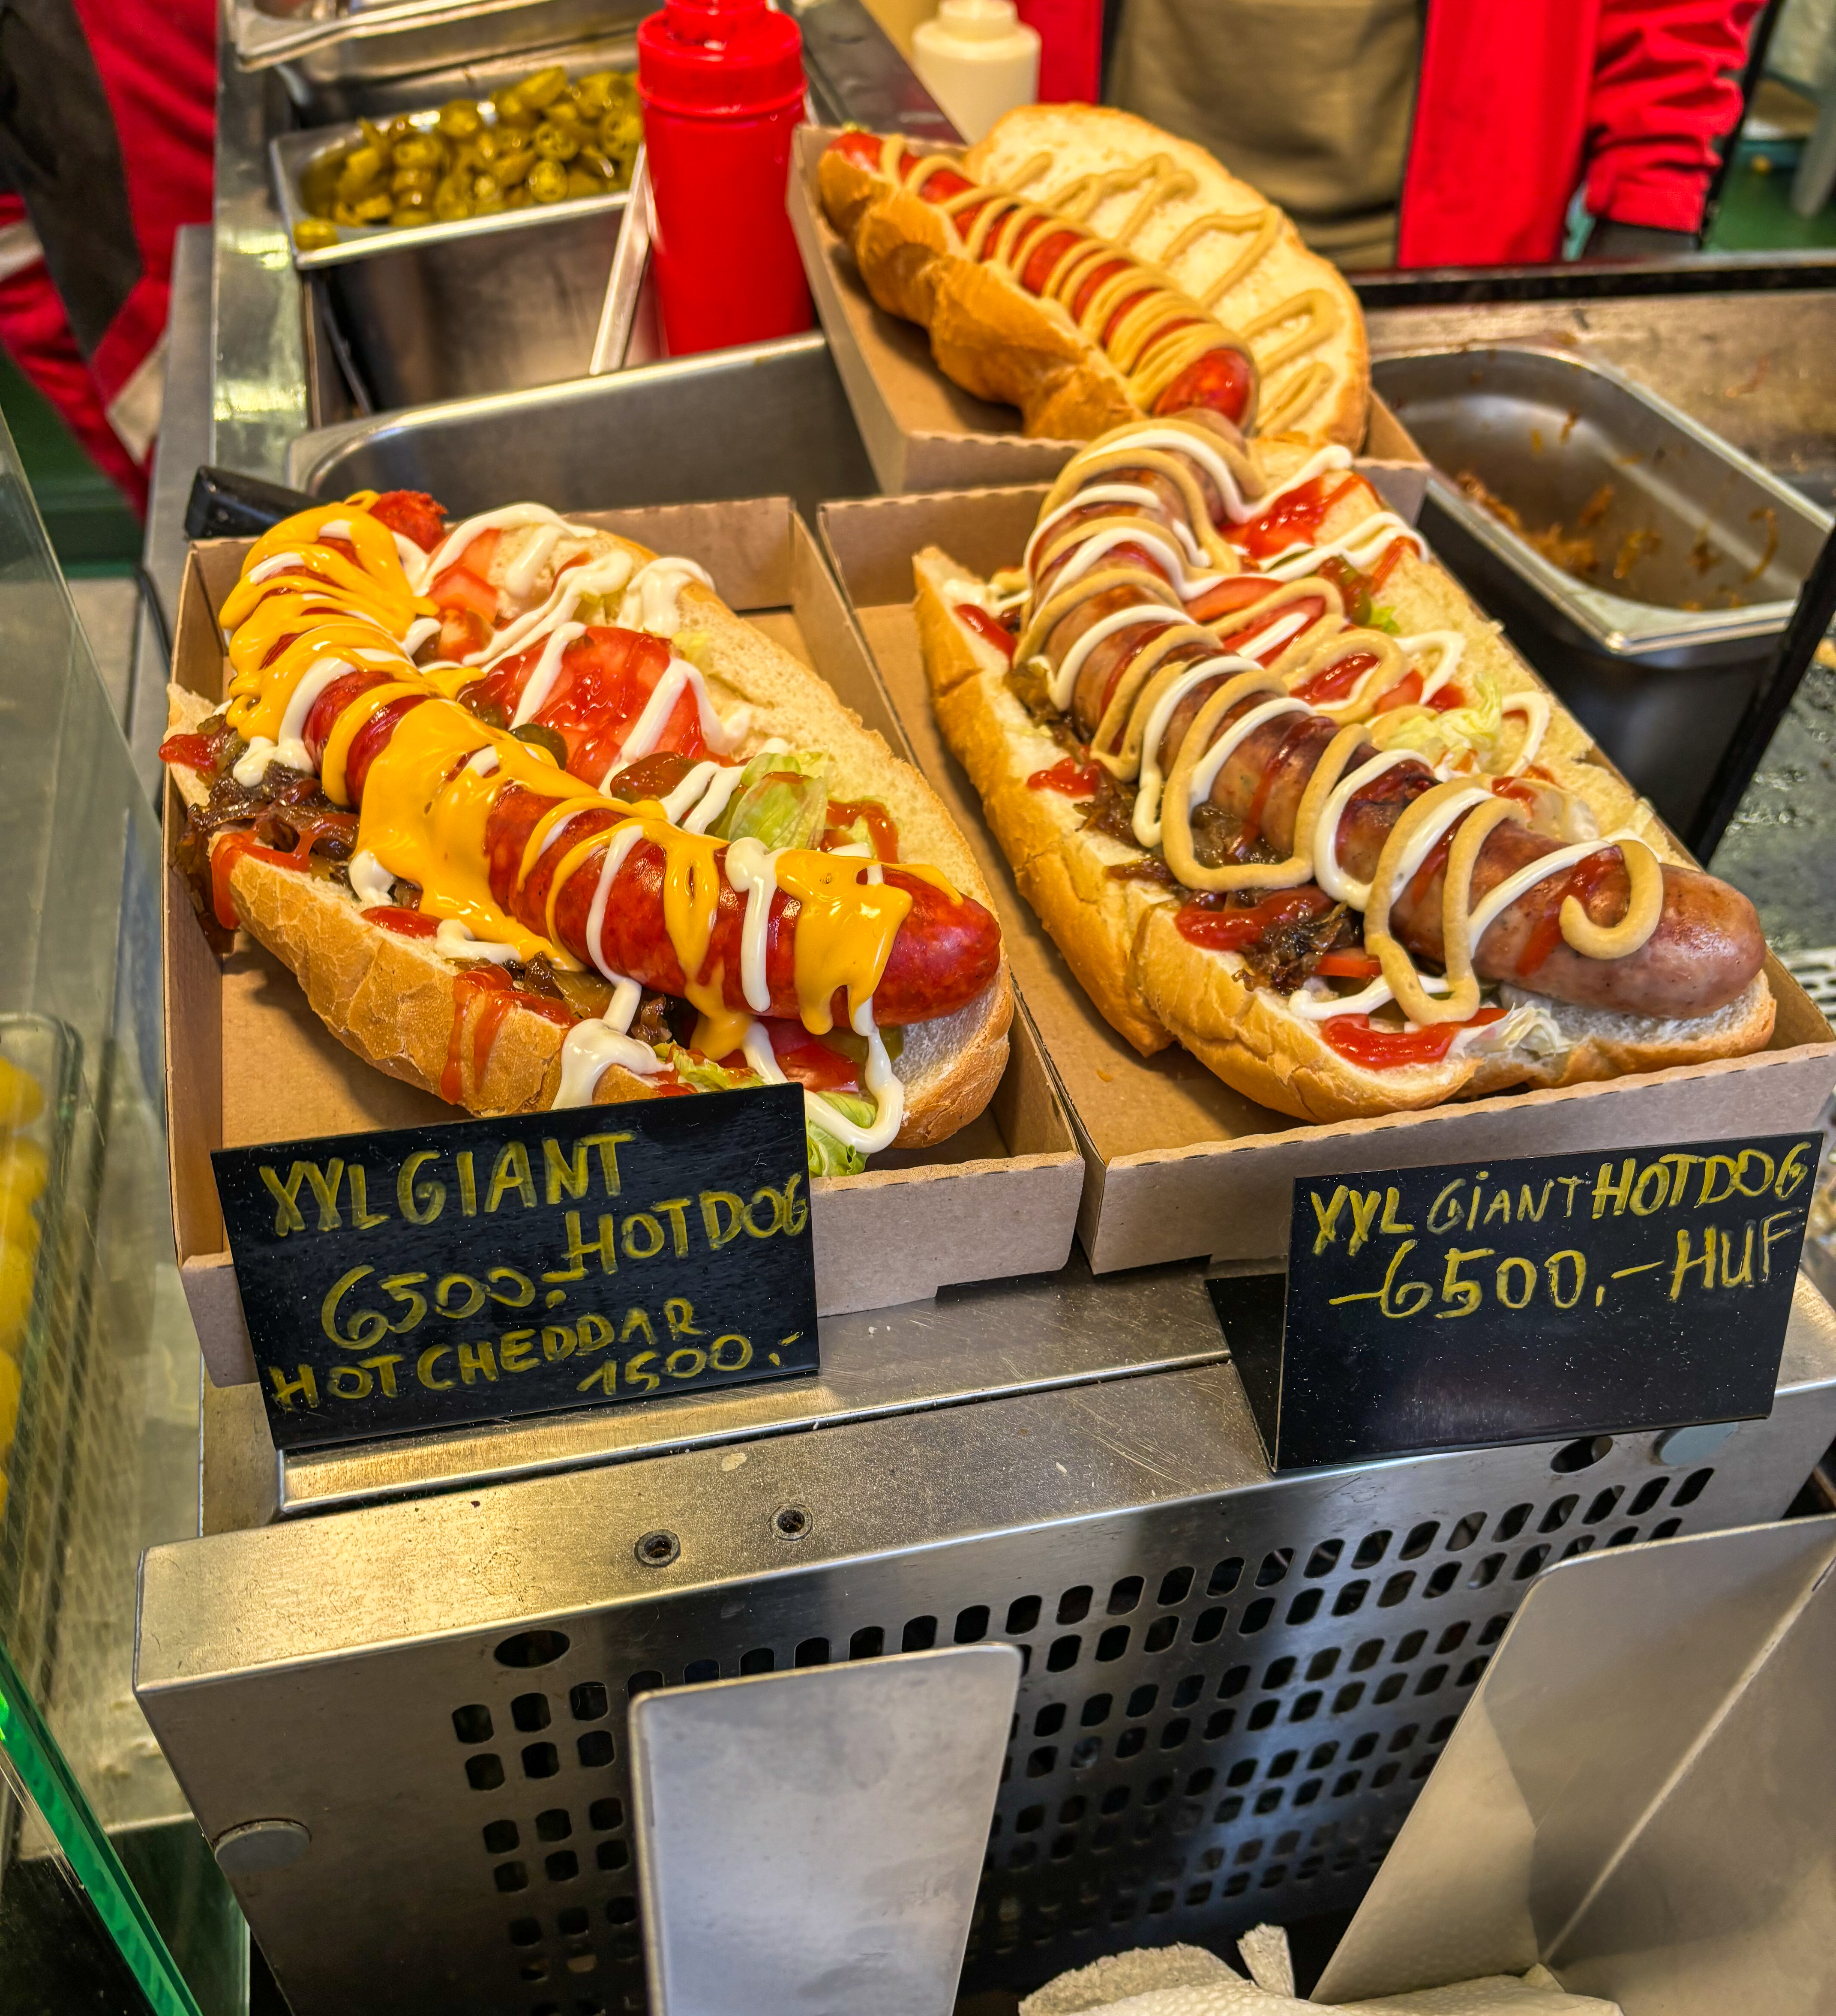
[
  {"x": 722, "y": 89},
  {"x": 1070, "y": 48}
]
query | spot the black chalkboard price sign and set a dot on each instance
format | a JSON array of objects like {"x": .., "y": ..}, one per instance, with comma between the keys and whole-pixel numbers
[
  {"x": 494, "y": 1269},
  {"x": 1532, "y": 1301}
]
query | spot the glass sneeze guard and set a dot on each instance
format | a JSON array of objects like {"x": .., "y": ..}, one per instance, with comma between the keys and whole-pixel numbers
[{"x": 109, "y": 1899}]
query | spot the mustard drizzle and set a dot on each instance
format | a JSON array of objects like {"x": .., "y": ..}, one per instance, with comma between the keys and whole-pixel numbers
[{"x": 1465, "y": 805}]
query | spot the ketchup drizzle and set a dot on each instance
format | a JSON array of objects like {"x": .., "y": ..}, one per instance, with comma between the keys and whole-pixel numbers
[{"x": 989, "y": 628}]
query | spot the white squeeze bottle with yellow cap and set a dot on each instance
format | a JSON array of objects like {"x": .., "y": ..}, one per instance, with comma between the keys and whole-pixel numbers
[{"x": 978, "y": 60}]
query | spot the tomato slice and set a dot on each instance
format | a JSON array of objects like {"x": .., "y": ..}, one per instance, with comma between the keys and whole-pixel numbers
[
  {"x": 804, "y": 1059},
  {"x": 413, "y": 513},
  {"x": 195, "y": 752},
  {"x": 1235, "y": 592},
  {"x": 600, "y": 689},
  {"x": 1348, "y": 965}
]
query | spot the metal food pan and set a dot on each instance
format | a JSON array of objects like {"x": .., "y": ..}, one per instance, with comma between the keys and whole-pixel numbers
[
  {"x": 770, "y": 419},
  {"x": 345, "y": 48},
  {"x": 292, "y": 154},
  {"x": 1677, "y": 516},
  {"x": 447, "y": 311}
]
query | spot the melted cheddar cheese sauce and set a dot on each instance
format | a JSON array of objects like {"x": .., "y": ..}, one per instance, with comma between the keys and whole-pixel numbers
[{"x": 304, "y": 613}]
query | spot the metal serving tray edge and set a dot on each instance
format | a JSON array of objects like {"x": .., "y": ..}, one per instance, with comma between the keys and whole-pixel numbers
[{"x": 1615, "y": 623}]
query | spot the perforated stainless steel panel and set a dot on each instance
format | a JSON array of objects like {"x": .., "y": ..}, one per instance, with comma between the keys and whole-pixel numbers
[{"x": 1234, "y": 1688}]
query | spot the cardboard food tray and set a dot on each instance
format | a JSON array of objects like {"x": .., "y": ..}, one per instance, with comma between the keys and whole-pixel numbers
[
  {"x": 923, "y": 432},
  {"x": 247, "y": 1060},
  {"x": 1179, "y": 1163}
]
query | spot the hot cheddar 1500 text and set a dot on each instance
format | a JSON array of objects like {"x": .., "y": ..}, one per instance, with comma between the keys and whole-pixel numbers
[
  {"x": 399, "y": 1330},
  {"x": 1725, "y": 1220}
]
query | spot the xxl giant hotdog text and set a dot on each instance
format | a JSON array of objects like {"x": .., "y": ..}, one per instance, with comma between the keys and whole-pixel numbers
[
  {"x": 1089, "y": 268},
  {"x": 1279, "y": 795},
  {"x": 535, "y": 819}
]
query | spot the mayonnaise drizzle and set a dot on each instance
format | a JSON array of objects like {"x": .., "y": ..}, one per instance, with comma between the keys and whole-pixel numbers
[
  {"x": 430, "y": 566},
  {"x": 454, "y": 940},
  {"x": 371, "y": 882},
  {"x": 1360, "y": 547},
  {"x": 1331, "y": 877},
  {"x": 750, "y": 868},
  {"x": 1104, "y": 493},
  {"x": 1134, "y": 532},
  {"x": 541, "y": 680},
  {"x": 602, "y": 577},
  {"x": 1065, "y": 679},
  {"x": 592, "y": 1046},
  {"x": 1146, "y": 817},
  {"x": 1204, "y": 772},
  {"x": 651, "y": 600},
  {"x": 880, "y": 1083}
]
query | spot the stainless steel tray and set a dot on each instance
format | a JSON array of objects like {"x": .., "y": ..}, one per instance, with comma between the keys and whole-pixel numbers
[
  {"x": 767, "y": 419},
  {"x": 292, "y": 154},
  {"x": 321, "y": 43},
  {"x": 1690, "y": 518}
]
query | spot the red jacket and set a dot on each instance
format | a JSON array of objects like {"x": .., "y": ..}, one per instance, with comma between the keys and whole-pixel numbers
[
  {"x": 107, "y": 115},
  {"x": 1519, "y": 98}
]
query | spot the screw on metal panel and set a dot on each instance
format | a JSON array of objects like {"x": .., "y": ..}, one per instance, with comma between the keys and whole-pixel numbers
[
  {"x": 791, "y": 1522},
  {"x": 259, "y": 1847},
  {"x": 657, "y": 1550},
  {"x": 1691, "y": 1445}
]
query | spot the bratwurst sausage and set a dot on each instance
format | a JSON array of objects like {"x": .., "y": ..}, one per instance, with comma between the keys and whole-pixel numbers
[
  {"x": 947, "y": 950},
  {"x": 1707, "y": 946}
]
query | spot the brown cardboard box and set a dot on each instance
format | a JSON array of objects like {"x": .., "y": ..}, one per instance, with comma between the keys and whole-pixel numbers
[
  {"x": 1179, "y": 1164},
  {"x": 246, "y": 1060},
  {"x": 923, "y": 432}
]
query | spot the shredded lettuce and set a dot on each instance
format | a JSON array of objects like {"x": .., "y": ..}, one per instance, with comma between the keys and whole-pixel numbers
[
  {"x": 1524, "y": 1027},
  {"x": 828, "y": 1157},
  {"x": 697, "y": 646},
  {"x": 702, "y": 1074},
  {"x": 1478, "y": 726},
  {"x": 855, "y": 835},
  {"x": 782, "y": 801}
]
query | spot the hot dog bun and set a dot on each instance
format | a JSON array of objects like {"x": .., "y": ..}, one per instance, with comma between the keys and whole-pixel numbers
[
  {"x": 1092, "y": 139},
  {"x": 389, "y": 999},
  {"x": 995, "y": 338},
  {"x": 1155, "y": 988}
]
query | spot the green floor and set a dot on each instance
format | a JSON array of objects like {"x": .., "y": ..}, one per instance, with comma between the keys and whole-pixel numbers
[
  {"x": 1756, "y": 214},
  {"x": 91, "y": 527}
]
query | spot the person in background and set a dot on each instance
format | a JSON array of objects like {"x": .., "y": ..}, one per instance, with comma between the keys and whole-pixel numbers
[
  {"x": 1450, "y": 132},
  {"x": 107, "y": 123}
]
